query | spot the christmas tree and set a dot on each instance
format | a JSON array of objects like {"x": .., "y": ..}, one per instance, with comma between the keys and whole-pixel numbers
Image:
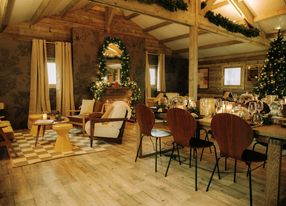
[{"x": 272, "y": 80}]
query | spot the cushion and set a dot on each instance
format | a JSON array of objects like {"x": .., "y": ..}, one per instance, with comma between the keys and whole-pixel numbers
[
  {"x": 107, "y": 113},
  {"x": 171, "y": 95},
  {"x": 102, "y": 130},
  {"x": 119, "y": 111},
  {"x": 87, "y": 106}
]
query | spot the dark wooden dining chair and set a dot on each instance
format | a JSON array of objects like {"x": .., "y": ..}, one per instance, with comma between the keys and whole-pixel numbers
[
  {"x": 146, "y": 120},
  {"x": 234, "y": 135},
  {"x": 183, "y": 127}
]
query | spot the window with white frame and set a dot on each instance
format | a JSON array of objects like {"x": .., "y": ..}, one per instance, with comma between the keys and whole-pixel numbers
[
  {"x": 232, "y": 76},
  {"x": 52, "y": 79}
]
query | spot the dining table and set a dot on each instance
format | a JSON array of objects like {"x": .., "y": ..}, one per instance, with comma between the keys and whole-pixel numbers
[{"x": 276, "y": 136}]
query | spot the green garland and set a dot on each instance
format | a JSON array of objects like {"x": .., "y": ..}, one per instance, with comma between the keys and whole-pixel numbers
[
  {"x": 229, "y": 25},
  {"x": 97, "y": 88},
  {"x": 124, "y": 59},
  {"x": 171, "y": 5}
]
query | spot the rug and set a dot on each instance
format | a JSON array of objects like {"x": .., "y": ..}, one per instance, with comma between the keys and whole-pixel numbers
[{"x": 27, "y": 153}]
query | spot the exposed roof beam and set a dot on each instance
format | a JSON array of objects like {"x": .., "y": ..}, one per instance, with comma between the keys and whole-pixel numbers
[
  {"x": 44, "y": 9},
  {"x": 183, "y": 36},
  {"x": 209, "y": 46},
  {"x": 273, "y": 35},
  {"x": 206, "y": 25},
  {"x": 234, "y": 56},
  {"x": 157, "y": 26},
  {"x": 181, "y": 17},
  {"x": 3, "y": 11},
  {"x": 243, "y": 10},
  {"x": 109, "y": 13},
  {"x": 208, "y": 6},
  {"x": 131, "y": 16},
  {"x": 279, "y": 12},
  {"x": 69, "y": 7},
  {"x": 89, "y": 6},
  {"x": 218, "y": 5}
]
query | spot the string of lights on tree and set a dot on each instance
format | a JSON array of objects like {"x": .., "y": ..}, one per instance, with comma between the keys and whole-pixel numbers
[{"x": 272, "y": 79}]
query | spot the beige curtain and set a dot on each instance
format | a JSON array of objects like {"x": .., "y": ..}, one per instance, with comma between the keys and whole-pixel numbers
[
  {"x": 64, "y": 86},
  {"x": 147, "y": 79},
  {"x": 161, "y": 86},
  {"x": 39, "y": 88}
]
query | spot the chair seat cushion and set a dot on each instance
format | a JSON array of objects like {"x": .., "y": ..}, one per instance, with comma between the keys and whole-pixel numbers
[
  {"x": 102, "y": 130},
  {"x": 159, "y": 133},
  {"x": 253, "y": 156},
  {"x": 200, "y": 143}
]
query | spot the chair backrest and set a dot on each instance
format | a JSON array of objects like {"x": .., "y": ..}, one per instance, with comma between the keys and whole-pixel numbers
[
  {"x": 145, "y": 118},
  {"x": 182, "y": 125},
  {"x": 119, "y": 110},
  {"x": 232, "y": 134},
  {"x": 87, "y": 106}
]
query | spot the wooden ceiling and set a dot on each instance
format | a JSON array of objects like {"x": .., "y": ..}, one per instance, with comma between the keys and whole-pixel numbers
[{"x": 171, "y": 29}]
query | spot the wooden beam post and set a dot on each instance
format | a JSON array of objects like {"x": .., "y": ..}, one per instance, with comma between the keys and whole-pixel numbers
[
  {"x": 108, "y": 18},
  {"x": 6, "y": 7},
  {"x": 193, "y": 52}
]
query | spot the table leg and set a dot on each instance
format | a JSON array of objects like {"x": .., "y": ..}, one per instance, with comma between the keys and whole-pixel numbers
[
  {"x": 38, "y": 133},
  {"x": 273, "y": 169}
]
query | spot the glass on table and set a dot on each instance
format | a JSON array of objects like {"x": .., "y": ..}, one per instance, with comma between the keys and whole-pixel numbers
[
  {"x": 259, "y": 106},
  {"x": 252, "y": 108}
]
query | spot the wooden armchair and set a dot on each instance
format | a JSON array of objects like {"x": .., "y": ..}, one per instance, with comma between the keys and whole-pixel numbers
[
  {"x": 110, "y": 126},
  {"x": 80, "y": 117}
]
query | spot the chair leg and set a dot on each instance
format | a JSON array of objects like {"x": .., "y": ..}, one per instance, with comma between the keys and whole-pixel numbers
[
  {"x": 139, "y": 147},
  {"x": 179, "y": 157},
  {"x": 218, "y": 172},
  {"x": 156, "y": 145},
  {"x": 234, "y": 175},
  {"x": 190, "y": 163},
  {"x": 250, "y": 184},
  {"x": 160, "y": 146},
  {"x": 172, "y": 153},
  {"x": 207, "y": 139},
  {"x": 91, "y": 140},
  {"x": 196, "y": 169},
  {"x": 211, "y": 178}
]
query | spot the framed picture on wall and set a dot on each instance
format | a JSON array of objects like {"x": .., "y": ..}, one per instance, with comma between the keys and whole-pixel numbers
[
  {"x": 252, "y": 72},
  {"x": 203, "y": 78}
]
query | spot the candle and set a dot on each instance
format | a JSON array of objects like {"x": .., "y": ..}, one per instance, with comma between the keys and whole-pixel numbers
[{"x": 45, "y": 116}]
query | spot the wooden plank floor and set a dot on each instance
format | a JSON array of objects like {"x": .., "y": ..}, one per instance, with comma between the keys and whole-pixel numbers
[{"x": 113, "y": 178}]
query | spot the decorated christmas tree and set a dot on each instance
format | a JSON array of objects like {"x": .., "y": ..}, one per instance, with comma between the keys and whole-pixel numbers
[{"x": 272, "y": 80}]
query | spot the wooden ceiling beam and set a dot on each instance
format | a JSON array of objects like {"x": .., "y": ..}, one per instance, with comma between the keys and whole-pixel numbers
[
  {"x": 109, "y": 14},
  {"x": 69, "y": 7},
  {"x": 208, "y": 6},
  {"x": 258, "y": 41},
  {"x": 131, "y": 16},
  {"x": 183, "y": 36},
  {"x": 218, "y": 5},
  {"x": 274, "y": 35},
  {"x": 89, "y": 6},
  {"x": 210, "y": 46},
  {"x": 3, "y": 13},
  {"x": 243, "y": 10},
  {"x": 181, "y": 17},
  {"x": 279, "y": 12},
  {"x": 157, "y": 26},
  {"x": 45, "y": 8}
]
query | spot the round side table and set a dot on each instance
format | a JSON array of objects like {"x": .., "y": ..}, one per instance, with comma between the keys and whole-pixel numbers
[{"x": 63, "y": 143}]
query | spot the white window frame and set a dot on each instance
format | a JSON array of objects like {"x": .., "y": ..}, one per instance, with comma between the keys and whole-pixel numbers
[{"x": 239, "y": 86}]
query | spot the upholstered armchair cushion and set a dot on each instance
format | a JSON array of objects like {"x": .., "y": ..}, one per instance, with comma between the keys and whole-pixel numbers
[
  {"x": 171, "y": 95},
  {"x": 110, "y": 129},
  {"x": 87, "y": 106}
]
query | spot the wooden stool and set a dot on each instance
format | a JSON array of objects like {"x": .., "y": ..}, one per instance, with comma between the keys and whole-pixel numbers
[{"x": 63, "y": 143}]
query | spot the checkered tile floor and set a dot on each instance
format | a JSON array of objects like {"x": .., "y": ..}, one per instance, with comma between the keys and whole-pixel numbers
[{"x": 27, "y": 153}]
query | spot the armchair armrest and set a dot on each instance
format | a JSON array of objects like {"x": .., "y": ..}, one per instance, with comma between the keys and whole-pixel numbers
[{"x": 72, "y": 111}]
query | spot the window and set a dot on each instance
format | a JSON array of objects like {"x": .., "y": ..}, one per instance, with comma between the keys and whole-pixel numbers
[
  {"x": 232, "y": 76},
  {"x": 153, "y": 72},
  {"x": 52, "y": 74}
]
